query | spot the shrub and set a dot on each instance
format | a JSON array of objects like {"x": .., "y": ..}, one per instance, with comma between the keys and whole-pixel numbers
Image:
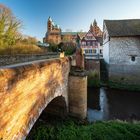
[{"x": 93, "y": 79}]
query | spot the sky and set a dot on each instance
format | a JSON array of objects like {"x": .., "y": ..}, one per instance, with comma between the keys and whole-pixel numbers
[{"x": 75, "y": 15}]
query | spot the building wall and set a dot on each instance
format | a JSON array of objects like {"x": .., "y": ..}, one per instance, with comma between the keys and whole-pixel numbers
[
  {"x": 121, "y": 67},
  {"x": 67, "y": 38},
  {"x": 92, "y": 64},
  {"x": 105, "y": 44},
  {"x": 106, "y": 52},
  {"x": 93, "y": 68},
  {"x": 53, "y": 38}
]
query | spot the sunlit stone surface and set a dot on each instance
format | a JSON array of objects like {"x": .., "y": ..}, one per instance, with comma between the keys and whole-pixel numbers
[{"x": 26, "y": 90}]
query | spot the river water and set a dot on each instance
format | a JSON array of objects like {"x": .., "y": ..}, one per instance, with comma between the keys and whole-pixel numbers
[{"x": 110, "y": 104}]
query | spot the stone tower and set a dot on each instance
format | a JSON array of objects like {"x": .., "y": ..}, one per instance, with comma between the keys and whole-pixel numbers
[
  {"x": 91, "y": 27},
  {"x": 49, "y": 24},
  {"x": 53, "y": 34},
  {"x": 95, "y": 29}
]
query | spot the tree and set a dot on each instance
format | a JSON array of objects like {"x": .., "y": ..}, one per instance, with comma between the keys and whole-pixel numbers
[{"x": 9, "y": 26}]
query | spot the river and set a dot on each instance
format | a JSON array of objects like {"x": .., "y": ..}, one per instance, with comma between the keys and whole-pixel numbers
[{"x": 110, "y": 104}]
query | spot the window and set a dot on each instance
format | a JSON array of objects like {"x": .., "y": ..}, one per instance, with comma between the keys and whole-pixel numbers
[
  {"x": 101, "y": 51},
  {"x": 88, "y": 43},
  {"x": 83, "y": 43},
  {"x": 93, "y": 43},
  {"x": 86, "y": 51},
  {"x": 94, "y": 51},
  {"x": 90, "y": 51},
  {"x": 133, "y": 58}
]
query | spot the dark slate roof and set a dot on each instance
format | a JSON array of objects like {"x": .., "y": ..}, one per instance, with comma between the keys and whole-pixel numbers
[{"x": 116, "y": 28}]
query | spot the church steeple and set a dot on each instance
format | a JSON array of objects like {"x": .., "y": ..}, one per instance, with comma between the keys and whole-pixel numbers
[
  {"x": 49, "y": 25},
  {"x": 95, "y": 23},
  {"x": 94, "y": 28},
  {"x": 50, "y": 19},
  {"x": 91, "y": 27}
]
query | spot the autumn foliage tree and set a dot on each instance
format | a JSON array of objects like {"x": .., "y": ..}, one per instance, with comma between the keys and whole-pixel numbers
[
  {"x": 9, "y": 26},
  {"x": 11, "y": 40}
]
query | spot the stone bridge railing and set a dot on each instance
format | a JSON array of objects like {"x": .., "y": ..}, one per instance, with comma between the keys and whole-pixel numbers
[
  {"x": 25, "y": 90},
  {"x": 19, "y": 58}
]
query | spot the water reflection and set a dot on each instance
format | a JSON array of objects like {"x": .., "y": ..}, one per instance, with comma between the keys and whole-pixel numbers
[
  {"x": 99, "y": 110},
  {"x": 107, "y": 104}
]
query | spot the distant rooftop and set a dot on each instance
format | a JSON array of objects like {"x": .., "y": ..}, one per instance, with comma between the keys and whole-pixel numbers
[
  {"x": 130, "y": 27},
  {"x": 69, "y": 33}
]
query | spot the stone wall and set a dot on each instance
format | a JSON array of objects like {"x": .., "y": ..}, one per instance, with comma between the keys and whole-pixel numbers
[
  {"x": 122, "y": 69},
  {"x": 11, "y": 59},
  {"x": 92, "y": 64},
  {"x": 93, "y": 68},
  {"x": 25, "y": 91}
]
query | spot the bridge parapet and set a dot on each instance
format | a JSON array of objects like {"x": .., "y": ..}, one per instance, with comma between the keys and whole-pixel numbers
[
  {"x": 25, "y": 90},
  {"x": 20, "y": 58}
]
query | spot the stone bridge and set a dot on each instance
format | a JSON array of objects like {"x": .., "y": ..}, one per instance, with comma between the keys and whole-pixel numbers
[{"x": 26, "y": 90}]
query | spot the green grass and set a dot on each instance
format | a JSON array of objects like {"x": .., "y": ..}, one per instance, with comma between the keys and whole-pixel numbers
[{"x": 72, "y": 130}]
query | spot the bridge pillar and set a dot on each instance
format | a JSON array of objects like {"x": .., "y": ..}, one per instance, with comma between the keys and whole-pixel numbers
[{"x": 78, "y": 94}]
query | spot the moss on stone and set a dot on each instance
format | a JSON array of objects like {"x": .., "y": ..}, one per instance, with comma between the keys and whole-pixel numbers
[
  {"x": 121, "y": 85},
  {"x": 93, "y": 79}
]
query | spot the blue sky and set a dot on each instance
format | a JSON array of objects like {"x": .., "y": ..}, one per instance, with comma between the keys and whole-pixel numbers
[{"x": 69, "y": 14}]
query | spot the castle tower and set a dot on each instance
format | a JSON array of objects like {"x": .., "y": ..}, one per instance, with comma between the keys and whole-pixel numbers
[
  {"x": 49, "y": 25},
  {"x": 53, "y": 34},
  {"x": 95, "y": 23},
  {"x": 91, "y": 27},
  {"x": 96, "y": 30},
  {"x": 95, "y": 27}
]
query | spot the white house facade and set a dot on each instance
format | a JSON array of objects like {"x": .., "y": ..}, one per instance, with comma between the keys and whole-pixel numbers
[{"x": 121, "y": 51}]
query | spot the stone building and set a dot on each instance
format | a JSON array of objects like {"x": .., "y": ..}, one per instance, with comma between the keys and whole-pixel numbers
[
  {"x": 121, "y": 52},
  {"x": 55, "y": 35}
]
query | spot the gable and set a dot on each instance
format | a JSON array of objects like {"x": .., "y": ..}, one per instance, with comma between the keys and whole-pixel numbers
[{"x": 89, "y": 36}]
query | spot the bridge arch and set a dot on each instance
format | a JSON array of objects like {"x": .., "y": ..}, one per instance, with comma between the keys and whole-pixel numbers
[
  {"x": 57, "y": 107},
  {"x": 56, "y": 104}
]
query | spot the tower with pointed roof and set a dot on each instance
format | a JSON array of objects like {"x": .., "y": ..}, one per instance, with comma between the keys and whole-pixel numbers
[
  {"x": 94, "y": 28},
  {"x": 49, "y": 24},
  {"x": 95, "y": 22},
  {"x": 53, "y": 34},
  {"x": 91, "y": 27}
]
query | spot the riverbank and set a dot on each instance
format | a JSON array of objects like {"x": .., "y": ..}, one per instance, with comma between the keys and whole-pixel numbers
[{"x": 82, "y": 130}]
